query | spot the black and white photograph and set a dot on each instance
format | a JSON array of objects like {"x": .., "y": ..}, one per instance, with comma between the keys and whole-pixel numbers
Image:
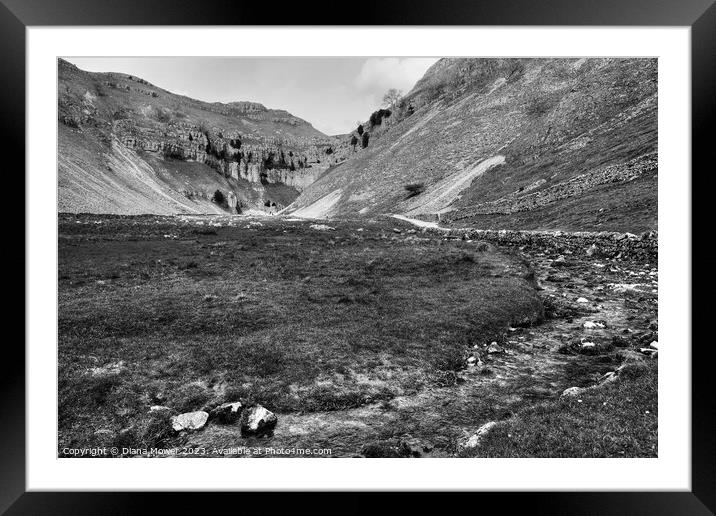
[
  {"x": 413, "y": 230},
  {"x": 434, "y": 232},
  {"x": 357, "y": 257}
]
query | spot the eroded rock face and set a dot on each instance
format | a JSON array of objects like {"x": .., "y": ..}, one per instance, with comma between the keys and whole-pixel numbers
[
  {"x": 231, "y": 201},
  {"x": 291, "y": 161},
  {"x": 258, "y": 421},
  {"x": 185, "y": 148},
  {"x": 189, "y": 421}
]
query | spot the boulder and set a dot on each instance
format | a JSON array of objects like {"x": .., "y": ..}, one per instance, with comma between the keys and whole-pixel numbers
[
  {"x": 475, "y": 440},
  {"x": 189, "y": 421},
  {"x": 494, "y": 347},
  {"x": 322, "y": 227},
  {"x": 227, "y": 413},
  {"x": 258, "y": 421},
  {"x": 590, "y": 325},
  {"x": 159, "y": 408},
  {"x": 572, "y": 391}
]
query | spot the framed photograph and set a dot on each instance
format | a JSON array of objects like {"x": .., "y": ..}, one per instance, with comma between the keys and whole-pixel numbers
[{"x": 437, "y": 234}]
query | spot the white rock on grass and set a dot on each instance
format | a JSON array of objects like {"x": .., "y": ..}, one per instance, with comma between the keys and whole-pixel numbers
[
  {"x": 654, "y": 345},
  {"x": 582, "y": 300},
  {"x": 609, "y": 377},
  {"x": 321, "y": 227},
  {"x": 475, "y": 440},
  {"x": 189, "y": 421},
  {"x": 590, "y": 325},
  {"x": 257, "y": 420},
  {"x": 572, "y": 391},
  {"x": 107, "y": 370},
  {"x": 494, "y": 347}
]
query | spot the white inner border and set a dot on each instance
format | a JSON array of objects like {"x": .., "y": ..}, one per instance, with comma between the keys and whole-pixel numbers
[{"x": 670, "y": 471}]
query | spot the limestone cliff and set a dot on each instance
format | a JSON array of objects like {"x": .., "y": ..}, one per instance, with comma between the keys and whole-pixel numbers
[{"x": 140, "y": 149}]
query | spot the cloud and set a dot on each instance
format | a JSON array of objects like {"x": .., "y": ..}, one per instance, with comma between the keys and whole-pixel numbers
[
  {"x": 379, "y": 74},
  {"x": 354, "y": 110}
]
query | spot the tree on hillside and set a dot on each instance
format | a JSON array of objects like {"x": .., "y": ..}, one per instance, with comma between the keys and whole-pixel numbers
[
  {"x": 364, "y": 140},
  {"x": 360, "y": 129},
  {"x": 392, "y": 96},
  {"x": 219, "y": 198},
  {"x": 376, "y": 118},
  {"x": 354, "y": 141}
]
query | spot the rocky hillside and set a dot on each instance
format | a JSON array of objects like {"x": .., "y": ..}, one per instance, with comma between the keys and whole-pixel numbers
[
  {"x": 558, "y": 144},
  {"x": 129, "y": 147}
]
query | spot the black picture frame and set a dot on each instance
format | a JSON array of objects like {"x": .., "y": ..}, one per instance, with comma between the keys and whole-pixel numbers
[{"x": 700, "y": 15}]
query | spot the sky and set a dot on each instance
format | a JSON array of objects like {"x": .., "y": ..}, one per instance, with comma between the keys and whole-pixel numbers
[{"x": 332, "y": 93}]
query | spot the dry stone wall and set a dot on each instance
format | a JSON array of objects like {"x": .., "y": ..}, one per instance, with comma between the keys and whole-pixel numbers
[
  {"x": 517, "y": 201},
  {"x": 605, "y": 244}
]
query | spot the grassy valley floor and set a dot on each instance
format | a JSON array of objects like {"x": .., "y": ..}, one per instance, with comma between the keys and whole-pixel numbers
[{"x": 368, "y": 338}]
